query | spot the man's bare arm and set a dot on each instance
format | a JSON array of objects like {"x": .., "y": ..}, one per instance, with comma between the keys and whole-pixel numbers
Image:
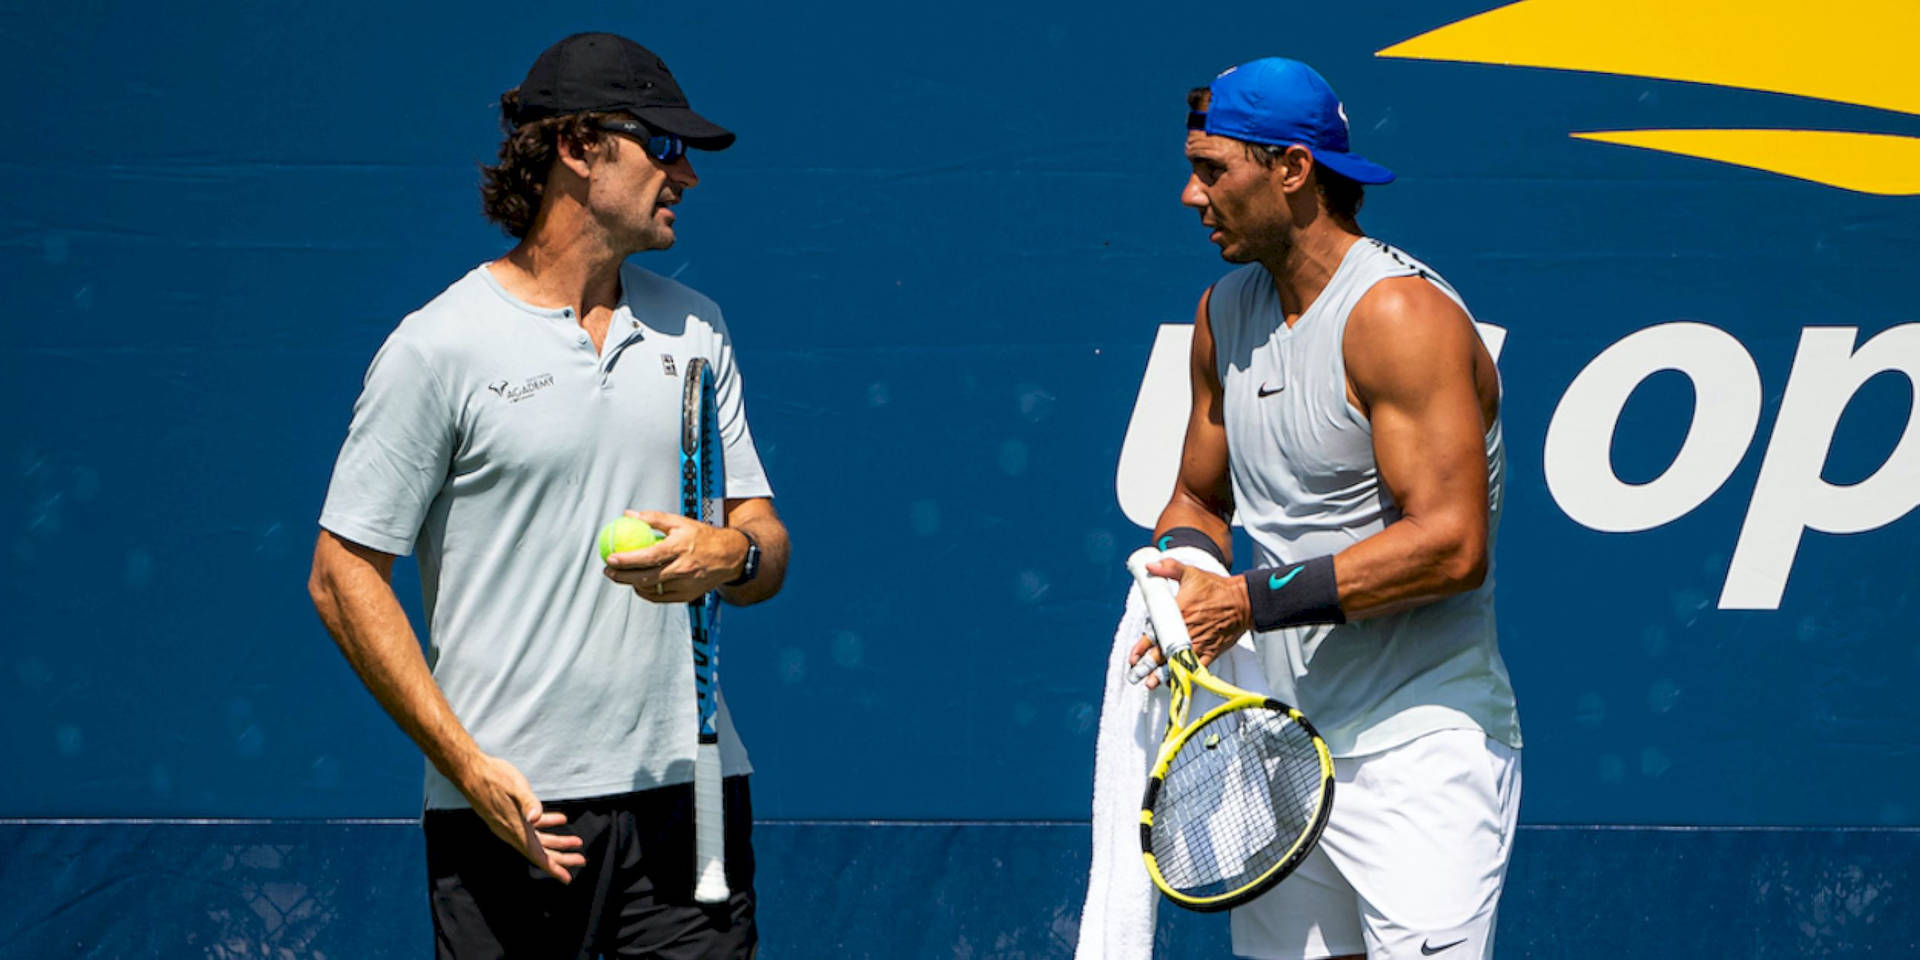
[
  {"x": 1428, "y": 386},
  {"x": 757, "y": 518},
  {"x": 1203, "y": 489},
  {"x": 352, "y": 590}
]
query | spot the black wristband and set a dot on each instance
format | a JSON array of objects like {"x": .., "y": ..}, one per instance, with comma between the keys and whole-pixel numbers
[
  {"x": 1294, "y": 595},
  {"x": 1189, "y": 537}
]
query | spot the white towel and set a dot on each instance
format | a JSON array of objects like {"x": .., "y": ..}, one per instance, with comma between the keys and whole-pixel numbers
[{"x": 1117, "y": 921}]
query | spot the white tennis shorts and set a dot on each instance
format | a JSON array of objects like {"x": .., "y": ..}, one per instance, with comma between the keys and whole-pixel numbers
[{"x": 1411, "y": 863}]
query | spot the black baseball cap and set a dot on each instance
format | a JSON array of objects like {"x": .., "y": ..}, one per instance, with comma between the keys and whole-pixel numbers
[{"x": 607, "y": 72}]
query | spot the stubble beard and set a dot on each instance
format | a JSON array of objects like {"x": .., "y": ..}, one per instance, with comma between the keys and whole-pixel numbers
[
  {"x": 657, "y": 238},
  {"x": 1268, "y": 246},
  {"x": 643, "y": 237}
]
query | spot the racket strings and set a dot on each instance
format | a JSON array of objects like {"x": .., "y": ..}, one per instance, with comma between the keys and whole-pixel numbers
[{"x": 1236, "y": 799}]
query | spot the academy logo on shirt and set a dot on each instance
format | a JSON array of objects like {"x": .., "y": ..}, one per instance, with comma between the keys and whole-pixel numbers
[{"x": 506, "y": 390}]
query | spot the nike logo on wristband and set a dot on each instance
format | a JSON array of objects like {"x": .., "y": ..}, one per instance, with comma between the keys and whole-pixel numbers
[
  {"x": 1166, "y": 540},
  {"x": 1427, "y": 951},
  {"x": 1275, "y": 582}
]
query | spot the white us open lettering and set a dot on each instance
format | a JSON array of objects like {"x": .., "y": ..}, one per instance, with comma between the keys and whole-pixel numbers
[{"x": 1790, "y": 496}]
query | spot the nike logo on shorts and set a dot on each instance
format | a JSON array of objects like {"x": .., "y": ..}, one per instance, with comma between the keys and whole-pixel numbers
[
  {"x": 1267, "y": 391},
  {"x": 1428, "y": 951}
]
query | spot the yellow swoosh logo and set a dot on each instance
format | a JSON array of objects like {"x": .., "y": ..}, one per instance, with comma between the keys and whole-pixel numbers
[
  {"x": 1863, "y": 162},
  {"x": 1848, "y": 51}
]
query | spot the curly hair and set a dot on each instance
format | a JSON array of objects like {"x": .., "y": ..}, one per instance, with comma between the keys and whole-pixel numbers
[{"x": 510, "y": 191}]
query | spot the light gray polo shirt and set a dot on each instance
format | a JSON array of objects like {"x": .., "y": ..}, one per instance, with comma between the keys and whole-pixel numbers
[{"x": 490, "y": 432}]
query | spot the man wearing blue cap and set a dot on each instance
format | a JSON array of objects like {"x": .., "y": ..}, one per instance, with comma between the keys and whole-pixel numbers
[{"x": 1345, "y": 408}]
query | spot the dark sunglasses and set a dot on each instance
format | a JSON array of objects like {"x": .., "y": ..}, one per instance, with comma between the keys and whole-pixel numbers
[{"x": 664, "y": 147}]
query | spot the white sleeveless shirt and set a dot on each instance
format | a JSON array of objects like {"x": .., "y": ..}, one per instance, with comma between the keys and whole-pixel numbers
[{"x": 1305, "y": 485}]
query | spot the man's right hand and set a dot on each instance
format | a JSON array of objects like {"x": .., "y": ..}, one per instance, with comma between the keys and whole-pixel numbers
[{"x": 504, "y": 799}]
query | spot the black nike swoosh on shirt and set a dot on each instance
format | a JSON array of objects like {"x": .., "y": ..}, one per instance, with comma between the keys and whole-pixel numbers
[
  {"x": 1427, "y": 951},
  {"x": 1267, "y": 391}
]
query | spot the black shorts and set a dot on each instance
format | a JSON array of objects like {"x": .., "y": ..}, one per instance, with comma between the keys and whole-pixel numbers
[{"x": 634, "y": 897}]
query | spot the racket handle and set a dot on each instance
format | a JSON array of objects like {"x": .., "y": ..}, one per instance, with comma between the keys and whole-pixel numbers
[
  {"x": 709, "y": 827},
  {"x": 1145, "y": 667},
  {"x": 1162, "y": 609}
]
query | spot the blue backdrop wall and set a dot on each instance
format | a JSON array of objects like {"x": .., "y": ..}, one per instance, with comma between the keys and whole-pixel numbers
[{"x": 946, "y": 243}]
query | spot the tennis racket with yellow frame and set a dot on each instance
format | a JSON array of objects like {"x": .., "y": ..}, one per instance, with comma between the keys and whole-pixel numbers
[{"x": 1237, "y": 798}]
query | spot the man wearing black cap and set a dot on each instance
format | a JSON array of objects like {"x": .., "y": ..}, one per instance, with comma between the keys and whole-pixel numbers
[
  {"x": 498, "y": 427},
  {"x": 1345, "y": 409}
]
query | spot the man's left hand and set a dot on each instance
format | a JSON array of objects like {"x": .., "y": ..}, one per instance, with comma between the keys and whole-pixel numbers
[
  {"x": 691, "y": 561},
  {"x": 1215, "y": 609}
]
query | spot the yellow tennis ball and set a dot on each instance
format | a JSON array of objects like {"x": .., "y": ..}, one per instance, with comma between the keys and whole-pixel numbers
[{"x": 624, "y": 534}]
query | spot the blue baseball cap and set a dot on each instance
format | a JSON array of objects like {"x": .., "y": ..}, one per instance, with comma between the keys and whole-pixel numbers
[{"x": 1282, "y": 102}]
